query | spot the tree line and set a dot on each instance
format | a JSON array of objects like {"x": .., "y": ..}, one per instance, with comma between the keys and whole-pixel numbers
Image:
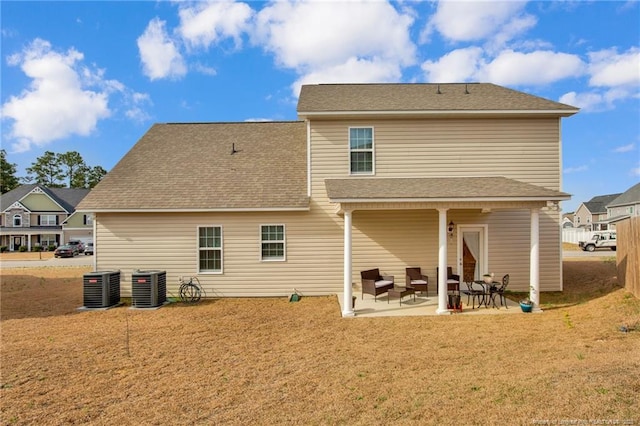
[{"x": 67, "y": 170}]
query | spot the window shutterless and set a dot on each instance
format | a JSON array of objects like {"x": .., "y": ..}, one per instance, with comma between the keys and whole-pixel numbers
[
  {"x": 210, "y": 249},
  {"x": 361, "y": 150}
]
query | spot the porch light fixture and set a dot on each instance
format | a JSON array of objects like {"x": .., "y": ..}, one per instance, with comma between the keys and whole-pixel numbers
[{"x": 450, "y": 229}]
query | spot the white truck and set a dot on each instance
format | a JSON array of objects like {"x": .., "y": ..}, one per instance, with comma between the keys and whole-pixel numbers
[{"x": 603, "y": 239}]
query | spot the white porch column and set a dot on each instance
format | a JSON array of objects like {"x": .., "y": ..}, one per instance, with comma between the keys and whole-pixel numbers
[
  {"x": 347, "y": 307},
  {"x": 534, "y": 260},
  {"x": 442, "y": 263}
]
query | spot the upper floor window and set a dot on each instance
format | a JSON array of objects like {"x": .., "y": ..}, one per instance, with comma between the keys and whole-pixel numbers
[
  {"x": 88, "y": 219},
  {"x": 17, "y": 220},
  {"x": 210, "y": 249},
  {"x": 361, "y": 150},
  {"x": 272, "y": 242},
  {"x": 48, "y": 219}
]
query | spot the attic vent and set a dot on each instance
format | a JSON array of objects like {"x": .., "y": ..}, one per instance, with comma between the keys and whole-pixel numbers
[{"x": 148, "y": 288}]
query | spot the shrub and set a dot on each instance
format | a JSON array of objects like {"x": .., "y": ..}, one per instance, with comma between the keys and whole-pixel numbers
[
  {"x": 52, "y": 247},
  {"x": 3, "y": 249},
  {"x": 36, "y": 248},
  {"x": 22, "y": 249}
]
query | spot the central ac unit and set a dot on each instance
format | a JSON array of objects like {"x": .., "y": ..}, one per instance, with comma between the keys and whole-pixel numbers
[
  {"x": 101, "y": 289},
  {"x": 148, "y": 288}
]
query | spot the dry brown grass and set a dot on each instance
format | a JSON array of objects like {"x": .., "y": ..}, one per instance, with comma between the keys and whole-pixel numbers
[{"x": 268, "y": 361}]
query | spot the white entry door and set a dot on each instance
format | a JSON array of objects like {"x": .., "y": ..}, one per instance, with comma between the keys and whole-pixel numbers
[{"x": 472, "y": 252}]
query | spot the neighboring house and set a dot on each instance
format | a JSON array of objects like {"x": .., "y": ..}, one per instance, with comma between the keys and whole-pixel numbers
[
  {"x": 592, "y": 215},
  {"x": 567, "y": 220},
  {"x": 34, "y": 215},
  {"x": 625, "y": 206},
  {"x": 382, "y": 176}
]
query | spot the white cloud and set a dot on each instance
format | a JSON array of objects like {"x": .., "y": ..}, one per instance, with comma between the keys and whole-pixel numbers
[
  {"x": 470, "y": 21},
  {"x": 635, "y": 171},
  {"x": 509, "y": 68},
  {"x": 610, "y": 69},
  {"x": 58, "y": 102},
  {"x": 351, "y": 38},
  {"x": 534, "y": 68},
  {"x": 625, "y": 148},
  {"x": 586, "y": 101},
  {"x": 204, "y": 24},
  {"x": 577, "y": 169},
  {"x": 353, "y": 70},
  {"x": 159, "y": 54},
  {"x": 457, "y": 65},
  {"x": 614, "y": 77}
]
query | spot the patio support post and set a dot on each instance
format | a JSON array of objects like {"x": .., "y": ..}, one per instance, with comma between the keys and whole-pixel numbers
[
  {"x": 442, "y": 262},
  {"x": 347, "y": 307},
  {"x": 534, "y": 260}
]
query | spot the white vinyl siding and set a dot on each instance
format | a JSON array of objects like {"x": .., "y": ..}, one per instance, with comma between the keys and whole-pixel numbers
[
  {"x": 209, "y": 249},
  {"x": 361, "y": 154},
  {"x": 272, "y": 242},
  {"x": 390, "y": 238}
]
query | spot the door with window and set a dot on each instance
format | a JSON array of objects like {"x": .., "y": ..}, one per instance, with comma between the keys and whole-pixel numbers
[{"x": 472, "y": 252}]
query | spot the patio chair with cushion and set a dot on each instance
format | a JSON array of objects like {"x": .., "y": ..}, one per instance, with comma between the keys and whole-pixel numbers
[
  {"x": 453, "y": 280},
  {"x": 417, "y": 281},
  {"x": 373, "y": 283}
]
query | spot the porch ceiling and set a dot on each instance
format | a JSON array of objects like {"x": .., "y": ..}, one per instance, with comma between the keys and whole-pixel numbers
[{"x": 454, "y": 189}]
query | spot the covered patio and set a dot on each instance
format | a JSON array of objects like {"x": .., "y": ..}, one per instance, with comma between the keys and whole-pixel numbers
[
  {"x": 480, "y": 194},
  {"x": 367, "y": 307}
]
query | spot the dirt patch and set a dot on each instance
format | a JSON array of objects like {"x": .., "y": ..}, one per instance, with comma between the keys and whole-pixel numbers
[{"x": 269, "y": 361}]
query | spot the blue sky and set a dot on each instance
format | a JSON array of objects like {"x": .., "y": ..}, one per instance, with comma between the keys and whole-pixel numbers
[{"x": 93, "y": 77}]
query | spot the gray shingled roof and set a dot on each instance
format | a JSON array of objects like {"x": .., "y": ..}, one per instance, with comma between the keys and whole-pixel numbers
[
  {"x": 598, "y": 204},
  {"x": 451, "y": 189},
  {"x": 190, "y": 167},
  {"x": 630, "y": 196},
  {"x": 485, "y": 97},
  {"x": 68, "y": 198}
]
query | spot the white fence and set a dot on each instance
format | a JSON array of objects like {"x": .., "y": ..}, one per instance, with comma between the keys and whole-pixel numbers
[{"x": 573, "y": 235}]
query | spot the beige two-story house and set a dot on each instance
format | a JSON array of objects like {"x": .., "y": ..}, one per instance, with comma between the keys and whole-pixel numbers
[
  {"x": 36, "y": 216},
  {"x": 382, "y": 176},
  {"x": 592, "y": 215}
]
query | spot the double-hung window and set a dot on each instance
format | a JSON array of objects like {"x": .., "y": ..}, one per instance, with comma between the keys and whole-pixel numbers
[
  {"x": 210, "y": 249},
  {"x": 48, "y": 220},
  {"x": 272, "y": 242},
  {"x": 361, "y": 150}
]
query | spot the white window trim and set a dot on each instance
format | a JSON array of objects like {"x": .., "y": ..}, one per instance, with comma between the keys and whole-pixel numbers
[
  {"x": 49, "y": 241},
  {"x": 373, "y": 151},
  {"x": 13, "y": 220},
  {"x": 198, "y": 248},
  {"x": 284, "y": 242},
  {"x": 48, "y": 216}
]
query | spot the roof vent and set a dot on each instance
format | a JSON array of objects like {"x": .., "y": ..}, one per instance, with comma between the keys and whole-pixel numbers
[
  {"x": 439, "y": 92},
  {"x": 466, "y": 90}
]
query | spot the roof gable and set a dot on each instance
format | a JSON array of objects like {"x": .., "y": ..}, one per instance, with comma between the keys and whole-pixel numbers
[
  {"x": 64, "y": 198},
  {"x": 422, "y": 98},
  {"x": 209, "y": 166}
]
